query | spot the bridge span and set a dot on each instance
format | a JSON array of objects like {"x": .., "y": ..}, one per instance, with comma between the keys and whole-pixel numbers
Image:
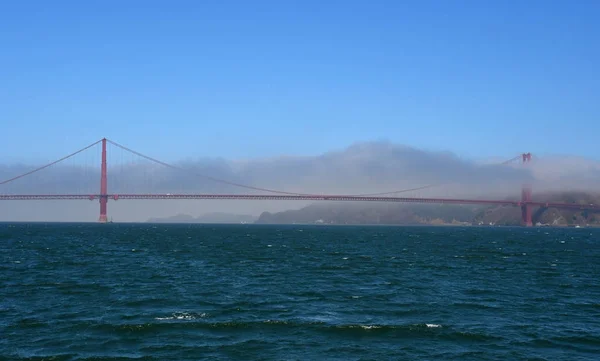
[{"x": 526, "y": 203}]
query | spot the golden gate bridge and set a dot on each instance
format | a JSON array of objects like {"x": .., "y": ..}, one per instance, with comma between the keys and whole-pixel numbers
[{"x": 526, "y": 203}]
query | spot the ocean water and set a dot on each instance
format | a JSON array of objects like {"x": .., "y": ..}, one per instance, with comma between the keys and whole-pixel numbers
[{"x": 246, "y": 292}]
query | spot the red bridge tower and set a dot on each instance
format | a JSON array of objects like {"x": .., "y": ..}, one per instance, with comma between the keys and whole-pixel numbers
[
  {"x": 526, "y": 197},
  {"x": 103, "y": 185}
]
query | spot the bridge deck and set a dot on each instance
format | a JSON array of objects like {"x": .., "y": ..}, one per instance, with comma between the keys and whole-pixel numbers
[{"x": 256, "y": 197}]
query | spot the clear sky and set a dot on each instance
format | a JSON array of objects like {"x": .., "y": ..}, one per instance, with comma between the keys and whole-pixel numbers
[{"x": 241, "y": 79}]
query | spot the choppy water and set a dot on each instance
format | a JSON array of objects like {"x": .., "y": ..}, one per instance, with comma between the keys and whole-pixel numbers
[{"x": 189, "y": 292}]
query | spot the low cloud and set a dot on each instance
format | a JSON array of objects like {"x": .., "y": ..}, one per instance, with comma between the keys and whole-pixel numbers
[{"x": 369, "y": 167}]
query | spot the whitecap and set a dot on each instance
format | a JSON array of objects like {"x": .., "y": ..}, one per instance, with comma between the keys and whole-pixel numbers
[
  {"x": 182, "y": 316},
  {"x": 369, "y": 327}
]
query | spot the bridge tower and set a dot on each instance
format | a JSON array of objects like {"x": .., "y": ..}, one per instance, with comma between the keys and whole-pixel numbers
[
  {"x": 526, "y": 197},
  {"x": 103, "y": 185}
]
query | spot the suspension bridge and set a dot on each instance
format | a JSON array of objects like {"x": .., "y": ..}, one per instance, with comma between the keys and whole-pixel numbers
[{"x": 103, "y": 195}]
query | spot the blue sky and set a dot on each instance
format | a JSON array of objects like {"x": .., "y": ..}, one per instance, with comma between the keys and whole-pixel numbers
[{"x": 245, "y": 79}]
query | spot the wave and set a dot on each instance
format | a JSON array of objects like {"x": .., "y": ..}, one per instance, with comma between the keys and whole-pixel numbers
[{"x": 197, "y": 321}]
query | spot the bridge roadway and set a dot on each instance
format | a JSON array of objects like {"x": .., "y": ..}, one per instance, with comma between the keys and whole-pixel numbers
[{"x": 316, "y": 197}]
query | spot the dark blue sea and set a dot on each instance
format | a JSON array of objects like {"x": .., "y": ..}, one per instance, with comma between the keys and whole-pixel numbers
[{"x": 249, "y": 292}]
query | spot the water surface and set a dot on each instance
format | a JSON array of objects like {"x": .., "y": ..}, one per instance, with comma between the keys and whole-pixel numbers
[{"x": 189, "y": 292}]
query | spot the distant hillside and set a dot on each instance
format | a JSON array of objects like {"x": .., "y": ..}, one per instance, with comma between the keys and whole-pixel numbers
[
  {"x": 373, "y": 213},
  {"x": 216, "y": 217},
  {"x": 413, "y": 214},
  {"x": 547, "y": 216}
]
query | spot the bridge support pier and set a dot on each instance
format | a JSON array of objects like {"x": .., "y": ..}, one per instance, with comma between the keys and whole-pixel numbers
[
  {"x": 526, "y": 206},
  {"x": 526, "y": 198},
  {"x": 526, "y": 215},
  {"x": 103, "y": 186}
]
